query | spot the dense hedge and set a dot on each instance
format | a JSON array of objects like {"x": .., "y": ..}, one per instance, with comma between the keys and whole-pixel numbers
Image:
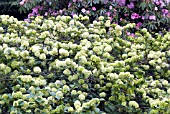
[{"x": 65, "y": 65}]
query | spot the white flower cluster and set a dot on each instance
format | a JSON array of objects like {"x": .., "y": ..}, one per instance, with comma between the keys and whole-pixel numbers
[{"x": 62, "y": 64}]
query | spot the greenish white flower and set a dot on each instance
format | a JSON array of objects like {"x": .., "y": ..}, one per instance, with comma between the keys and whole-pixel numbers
[
  {"x": 79, "y": 110},
  {"x": 101, "y": 18},
  {"x": 102, "y": 94},
  {"x": 66, "y": 88},
  {"x": 15, "y": 103},
  {"x": 168, "y": 90},
  {"x": 25, "y": 43},
  {"x": 1, "y": 29},
  {"x": 42, "y": 56},
  {"x": 85, "y": 34},
  {"x": 107, "y": 24},
  {"x": 39, "y": 81},
  {"x": 70, "y": 109},
  {"x": 67, "y": 72},
  {"x": 37, "y": 69},
  {"x": 63, "y": 52},
  {"x": 17, "y": 94},
  {"x": 73, "y": 92},
  {"x": 59, "y": 94},
  {"x": 5, "y": 96},
  {"x": 165, "y": 83},
  {"x": 35, "y": 48},
  {"x": 152, "y": 62},
  {"x": 81, "y": 97},
  {"x": 77, "y": 104},
  {"x": 108, "y": 48},
  {"x": 133, "y": 104}
]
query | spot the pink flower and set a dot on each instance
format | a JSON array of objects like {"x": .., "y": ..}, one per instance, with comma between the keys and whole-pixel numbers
[
  {"x": 27, "y": 20},
  {"x": 157, "y": 3},
  {"x": 61, "y": 11},
  {"x": 139, "y": 24},
  {"x": 152, "y": 17},
  {"x": 46, "y": 13},
  {"x": 74, "y": 0},
  {"x": 105, "y": 1},
  {"x": 128, "y": 33},
  {"x": 21, "y": 3},
  {"x": 125, "y": 15},
  {"x": 108, "y": 13},
  {"x": 30, "y": 15},
  {"x": 143, "y": 17},
  {"x": 121, "y": 2},
  {"x": 110, "y": 7},
  {"x": 94, "y": 8},
  {"x": 40, "y": 7},
  {"x": 69, "y": 5},
  {"x": 83, "y": 10},
  {"x": 111, "y": 18},
  {"x": 168, "y": 15},
  {"x": 131, "y": 5},
  {"x": 35, "y": 10},
  {"x": 72, "y": 14},
  {"x": 135, "y": 16},
  {"x": 164, "y": 11},
  {"x": 49, "y": 10},
  {"x": 87, "y": 11}
]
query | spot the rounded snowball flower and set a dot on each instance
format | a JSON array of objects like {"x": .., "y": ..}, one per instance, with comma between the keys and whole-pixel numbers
[
  {"x": 37, "y": 69},
  {"x": 81, "y": 97},
  {"x": 102, "y": 94},
  {"x": 77, "y": 104},
  {"x": 133, "y": 104}
]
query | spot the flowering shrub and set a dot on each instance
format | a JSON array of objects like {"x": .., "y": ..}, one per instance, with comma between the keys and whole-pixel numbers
[
  {"x": 65, "y": 65},
  {"x": 150, "y": 14}
]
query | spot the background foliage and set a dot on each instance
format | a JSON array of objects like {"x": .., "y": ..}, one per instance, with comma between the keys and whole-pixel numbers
[{"x": 153, "y": 15}]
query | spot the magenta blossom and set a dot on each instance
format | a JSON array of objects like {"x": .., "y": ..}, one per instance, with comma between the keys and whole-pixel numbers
[
  {"x": 35, "y": 10},
  {"x": 74, "y": 0},
  {"x": 164, "y": 11},
  {"x": 30, "y": 15},
  {"x": 131, "y": 5},
  {"x": 121, "y": 2},
  {"x": 152, "y": 17},
  {"x": 108, "y": 13},
  {"x": 135, "y": 16},
  {"x": 69, "y": 5},
  {"x": 94, "y": 8},
  {"x": 138, "y": 25}
]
